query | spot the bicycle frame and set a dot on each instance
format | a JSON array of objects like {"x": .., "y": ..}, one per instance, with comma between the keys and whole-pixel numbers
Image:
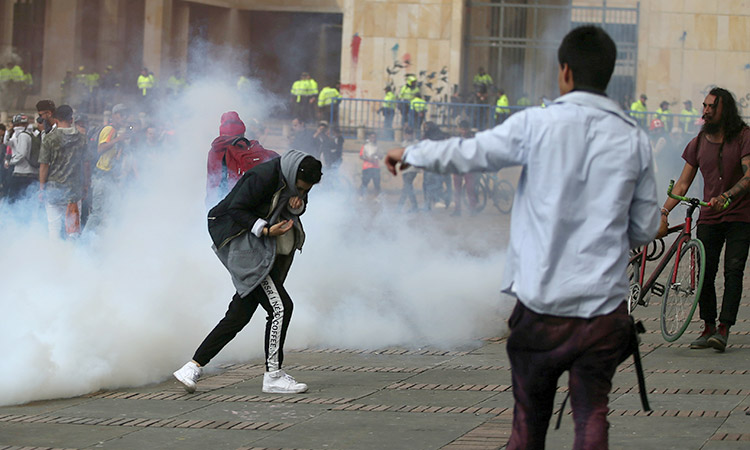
[{"x": 685, "y": 230}]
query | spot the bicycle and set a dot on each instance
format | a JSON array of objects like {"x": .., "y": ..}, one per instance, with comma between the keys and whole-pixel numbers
[
  {"x": 500, "y": 191},
  {"x": 684, "y": 281}
]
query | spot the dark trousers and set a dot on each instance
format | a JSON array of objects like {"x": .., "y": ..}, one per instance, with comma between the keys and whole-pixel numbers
[
  {"x": 736, "y": 235},
  {"x": 541, "y": 347},
  {"x": 367, "y": 175},
  {"x": 21, "y": 186},
  {"x": 272, "y": 296},
  {"x": 407, "y": 192}
]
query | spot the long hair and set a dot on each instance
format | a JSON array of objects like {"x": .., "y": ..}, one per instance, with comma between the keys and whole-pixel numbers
[{"x": 730, "y": 115}]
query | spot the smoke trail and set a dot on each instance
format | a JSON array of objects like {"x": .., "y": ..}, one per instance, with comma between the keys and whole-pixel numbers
[{"x": 129, "y": 305}]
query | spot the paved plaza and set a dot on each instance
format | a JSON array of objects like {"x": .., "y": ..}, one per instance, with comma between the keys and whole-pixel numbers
[{"x": 398, "y": 398}]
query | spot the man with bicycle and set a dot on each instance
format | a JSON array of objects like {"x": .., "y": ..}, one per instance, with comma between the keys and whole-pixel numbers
[
  {"x": 586, "y": 196},
  {"x": 722, "y": 153}
]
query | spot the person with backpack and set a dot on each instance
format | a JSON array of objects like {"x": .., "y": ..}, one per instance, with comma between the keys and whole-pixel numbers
[
  {"x": 24, "y": 160},
  {"x": 230, "y": 156},
  {"x": 255, "y": 231}
]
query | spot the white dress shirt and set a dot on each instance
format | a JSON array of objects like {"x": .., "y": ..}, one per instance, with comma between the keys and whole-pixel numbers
[{"x": 586, "y": 195}]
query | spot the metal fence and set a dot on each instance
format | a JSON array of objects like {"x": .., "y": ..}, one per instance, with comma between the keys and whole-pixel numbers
[{"x": 356, "y": 117}]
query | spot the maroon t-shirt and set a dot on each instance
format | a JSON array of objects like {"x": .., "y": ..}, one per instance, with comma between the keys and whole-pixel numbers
[{"x": 719, "y": 180}]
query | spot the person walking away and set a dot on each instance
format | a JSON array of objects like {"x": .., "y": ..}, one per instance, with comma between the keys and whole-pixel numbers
[
  {"x": 370, "y": 157},
  {"x": 255, "y": 231},
  {"x": 587, "y": 195},
  {"x": 408, "y": 175},
  {"x": 721, "y": 152},
  {"x": 61, "y": 175}
]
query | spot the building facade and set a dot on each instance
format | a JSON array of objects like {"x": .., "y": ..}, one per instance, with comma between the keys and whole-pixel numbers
[{"x": 669, "y": 49}]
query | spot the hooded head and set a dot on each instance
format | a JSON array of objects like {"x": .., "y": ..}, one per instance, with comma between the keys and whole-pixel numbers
[
  {"x": 231, "y": 125},
  {"x": 299, "y": 165}
]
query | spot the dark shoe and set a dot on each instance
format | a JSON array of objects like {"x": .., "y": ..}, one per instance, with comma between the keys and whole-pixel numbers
[
  {"x": 719, "y": 339},
  {"x": 702, "y": 341}
]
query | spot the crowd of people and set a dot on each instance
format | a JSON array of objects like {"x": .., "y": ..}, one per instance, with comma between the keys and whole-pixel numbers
[
  {"x": 62, "y": 164},
  {"x": 571, "y": 233}
]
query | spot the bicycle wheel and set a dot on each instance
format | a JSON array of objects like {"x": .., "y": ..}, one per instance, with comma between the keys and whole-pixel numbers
[
  {"x": 634, "y": 295},
  {"x": 502, "y": 196},
  {"x": 480, "y": 191},
  {"x": 684, "y": 285}
]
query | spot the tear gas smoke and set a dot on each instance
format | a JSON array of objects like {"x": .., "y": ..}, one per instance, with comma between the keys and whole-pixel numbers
[{"x": 128, "y": 305}]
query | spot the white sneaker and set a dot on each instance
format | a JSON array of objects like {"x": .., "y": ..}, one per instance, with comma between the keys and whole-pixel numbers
[
  {"x": 188, "y": 375},
  {"x": 279, "y": 382}
]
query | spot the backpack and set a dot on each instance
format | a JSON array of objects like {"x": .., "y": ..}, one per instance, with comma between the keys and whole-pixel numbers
[
  {"x": 36, "y": 149},
  {"x": 229, "y": 158}
]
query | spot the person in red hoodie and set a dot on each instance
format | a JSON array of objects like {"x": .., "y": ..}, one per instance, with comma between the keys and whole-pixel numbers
[{"x": 218, "y": 181}]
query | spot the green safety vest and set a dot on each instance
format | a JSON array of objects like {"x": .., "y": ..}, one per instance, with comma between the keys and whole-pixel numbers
[
  {"x": 661, "y": 114},
  {"x": 408, "y": 93},
  {"x": 327, "y": 96},
  {"x": 523, "y": 101},
  {"x": 390, "y": 100},
  {"x": 418, "y": 105},
  {"x": 92, "y": 81},
  {"x": 145, "y": 82},
  {"x": 687, "y": 122},
  {"x": 637, "y": 110},
  {"x": 485, "y": 79},
  {"x": 501, "y": 103},
  {"x": 16, "y": 74}
]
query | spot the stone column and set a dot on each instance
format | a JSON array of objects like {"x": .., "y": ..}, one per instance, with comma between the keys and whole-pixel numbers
[
  {"x": 157, "y": 31},
  {"x": 60, "y": 45},
  {"x": 6, "y": 27}
]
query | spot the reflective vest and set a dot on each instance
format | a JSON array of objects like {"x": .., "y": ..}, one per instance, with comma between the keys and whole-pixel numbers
[
  {"x": 418, "y": 105},
  {"x": 662, "y": 114},
  {"x": 28, "y": 79},
  {"x": 637, "y": 110},
  {"x": 485, "y": 79},
  {"x": 304, "y": 87},
  {"x": 145, "y": 82},
  {"x": 523, "y": 101},
  {"x": 389, "y": 100},
  {"x": 688, "y": 122},
  {"x": 4, "y": 75},
  {"x": 327, "y": 96},
  {"x": 16, "y": 74},
  {"x": 175, "y": 84},
  {"x": 91, "y": 81},
  {"x": 501, "y": 103},
  {"x": 408, "y": 93}
]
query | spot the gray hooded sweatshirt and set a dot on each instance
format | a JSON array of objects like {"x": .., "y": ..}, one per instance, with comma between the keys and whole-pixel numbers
[{"x": 250, "y": 258}]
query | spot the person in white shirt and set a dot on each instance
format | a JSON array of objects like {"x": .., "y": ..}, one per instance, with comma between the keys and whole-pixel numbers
[{"x": 586, "y": 195}]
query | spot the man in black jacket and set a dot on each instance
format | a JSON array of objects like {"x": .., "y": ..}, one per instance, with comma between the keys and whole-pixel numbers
[{"x": 255, "y": 231}]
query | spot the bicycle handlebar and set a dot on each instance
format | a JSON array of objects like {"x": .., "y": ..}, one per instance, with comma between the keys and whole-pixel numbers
[{"x": 691, "y": 200}]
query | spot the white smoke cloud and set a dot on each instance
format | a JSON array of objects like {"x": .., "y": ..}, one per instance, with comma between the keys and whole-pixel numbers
[{"x": 129, "y": 305}]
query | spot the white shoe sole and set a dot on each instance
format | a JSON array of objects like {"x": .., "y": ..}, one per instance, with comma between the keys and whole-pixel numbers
[
  {"x": 274, "y": 390},
  {"x": 189, "y": 385}
]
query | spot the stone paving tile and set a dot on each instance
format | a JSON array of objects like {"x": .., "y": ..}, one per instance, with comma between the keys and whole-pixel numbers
[
  {"x": 57, "y": 435},
  {"x": 148, "y": 409},
  {"x": 185, "y": 439},
  {"x": 375, "y": 431}
]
